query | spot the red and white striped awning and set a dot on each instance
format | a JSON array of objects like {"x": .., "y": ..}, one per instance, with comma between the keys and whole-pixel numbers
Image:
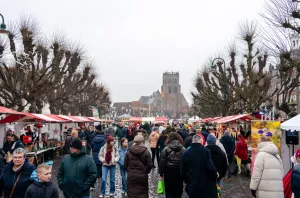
[
  {"x": 244, "y": 117},
  {"x": 136, "y": 119},
  {"x": 27, "y": 117},
  {"x": 161, "y": 119},
  {"x": 209, "y": 119},
  {"x": 75, "y": 118},
  {"x": 4, "y": 110}
]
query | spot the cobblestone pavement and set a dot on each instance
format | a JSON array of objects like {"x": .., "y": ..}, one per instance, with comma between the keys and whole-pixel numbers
[{"x": 238, "y": 187}]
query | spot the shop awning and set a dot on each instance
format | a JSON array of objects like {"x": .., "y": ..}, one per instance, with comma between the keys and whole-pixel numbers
[
  {"x": 292, "y": 124},
  {"x": 4, "y": 110},
  {"x": 75, "y": 118},
  {"x": 136, "y": 119},
  {"x": 209, "y": 119},
  {"x": 244, "y": 117},
  {"x": 29, "y": 117},
  {"x": 161, "y": 119}
]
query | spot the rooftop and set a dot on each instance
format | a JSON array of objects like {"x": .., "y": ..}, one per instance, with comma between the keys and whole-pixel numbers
[{"x": 149, "y": 99}]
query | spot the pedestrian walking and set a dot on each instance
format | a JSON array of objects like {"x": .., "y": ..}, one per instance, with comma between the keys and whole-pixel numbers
[
  {"x": 169, "y": 166},
  {"x": 138, "y": 165},
  {"x": 109, "y": 156},
  {"x": 267, "y": 176},
  {"x": 68, "y": 142},
  {"x": 77, "y": 172},
  {"x": 98, "y": 142},
  {"x": 81, "y": 132},
  {"x": 44, "y": 187},
  {"x": 89, "y": 134},
  {"x": 15, "y": 178},
  {"x": 198, "y": 171},
  {"x": 120, "y": 132},
  {"x": 218, "y": 157},
  {"x": 188, "y": 141},
  {"x": 229, "y": 145},
  {"x": 153, "y": 138},
  {"x": 241, "y": 151},
  {"x": 204, "y": 132},
  {"x": 111, "y": 131},
  {"x": 161, "y": 142},
  {"x": 122, "y": 151},
  {"x": 295, "y": 181}
]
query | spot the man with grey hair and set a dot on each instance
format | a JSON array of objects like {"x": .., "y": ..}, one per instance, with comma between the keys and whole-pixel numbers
[
  {"x": 15, "y": 178},
  {"x": 198, "y": 170}
]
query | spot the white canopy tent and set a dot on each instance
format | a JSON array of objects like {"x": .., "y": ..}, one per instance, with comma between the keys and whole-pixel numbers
[{"x": 292, "y": 124}]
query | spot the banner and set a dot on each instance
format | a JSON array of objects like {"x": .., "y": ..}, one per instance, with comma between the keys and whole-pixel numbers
[
  {"x": 95, "y": 112},
  {"x": 264, "y": 128}
]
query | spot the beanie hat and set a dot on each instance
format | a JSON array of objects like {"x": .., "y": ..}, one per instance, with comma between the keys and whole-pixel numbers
[
  {"x": 139, "y": 139},
  {"x": 77, "y": 144},
  {"x": 109, "y": 138},
  {"x": 297, "y": 155},
  {"x": 98, "y": 127},
  {"x": 211, "y": 139}
]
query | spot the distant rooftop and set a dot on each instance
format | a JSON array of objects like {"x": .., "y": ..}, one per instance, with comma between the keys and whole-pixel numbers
[
  {"x": 149, "y": 99},
  {"x": 171, "y": 73}
]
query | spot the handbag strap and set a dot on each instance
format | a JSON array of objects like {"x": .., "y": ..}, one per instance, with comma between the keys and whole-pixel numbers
[{"x": 13, "y": 189}]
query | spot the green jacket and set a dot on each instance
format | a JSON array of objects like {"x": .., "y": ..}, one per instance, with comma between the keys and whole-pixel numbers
[
  {"x": 121, "y": 132},
  {"x": 76, "y": 175}
]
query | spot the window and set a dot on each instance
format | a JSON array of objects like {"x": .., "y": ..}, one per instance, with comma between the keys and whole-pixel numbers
[
  {"x": 175, "y": 89},
  {"x": 170, "y": 91}
]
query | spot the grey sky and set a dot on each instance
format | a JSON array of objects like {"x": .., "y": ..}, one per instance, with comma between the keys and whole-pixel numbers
[{"x": 134, "y": 42}]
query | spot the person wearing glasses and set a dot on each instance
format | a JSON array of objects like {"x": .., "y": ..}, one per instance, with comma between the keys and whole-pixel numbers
[{"x": 15, "y": 178}]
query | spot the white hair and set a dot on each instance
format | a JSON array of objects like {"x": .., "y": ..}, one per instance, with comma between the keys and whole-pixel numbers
[
  {"x": 19, "y": 151},
  {"x": 197, "y": 139}
]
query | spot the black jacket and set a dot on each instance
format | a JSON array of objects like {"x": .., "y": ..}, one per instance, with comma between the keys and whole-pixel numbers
[
  {"x": 229, "y": 145},
  {"x": 219, "y": 159},
  {"x": 76, "y": 175},
  {"x": 295, "y": 181},
  {"x": 188, "y": 141},
  {"x": 121, "y": 132},
  {"x": 89, "y": 137},
  {"x": 183, "y": 134},
  {"x": 7, "y": 146},
  {"x": 199, "y": 172},
  {"x": 161, "y": 143},
  {"x": 171, "y": 156},
  {"x": 205, "y": 134},
  {"x": 42, "y": 190},
  {"x": 9, "y": 177},
  {"x": 98, "y": 141}
]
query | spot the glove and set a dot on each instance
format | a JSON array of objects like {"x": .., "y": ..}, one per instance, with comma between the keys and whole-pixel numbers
[{"x": 253, "y": 192}]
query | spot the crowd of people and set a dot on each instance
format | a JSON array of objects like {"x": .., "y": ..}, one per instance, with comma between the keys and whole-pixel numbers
[{"x": 186, "y": 159}]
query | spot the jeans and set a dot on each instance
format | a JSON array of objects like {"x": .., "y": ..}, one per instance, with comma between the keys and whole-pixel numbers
[
  {"x": 124, "y": 178},
  {"x": 112, "y": 174},
  {"x": 229, "y": 171},
  {"x": 154, "y": 152}
]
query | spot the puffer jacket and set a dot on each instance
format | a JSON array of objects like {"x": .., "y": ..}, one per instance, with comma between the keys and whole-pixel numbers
[
  {"x": 153, "y": 139},
  {"x": 171, "y": 156},
  {"x": 42, "y": 189},
  {"x": 115, "y": 156},
  {"x": 295, "y": 181},
  {"x": 138, "y": 165},
  {"x": 268, "y": 172}
]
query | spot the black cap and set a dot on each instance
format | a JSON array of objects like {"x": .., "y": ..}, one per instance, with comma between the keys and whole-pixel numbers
[{"x": 77, "y": 144}]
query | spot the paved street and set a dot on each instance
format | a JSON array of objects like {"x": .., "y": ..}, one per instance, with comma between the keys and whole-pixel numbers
[{"x": 237, "y": 188}]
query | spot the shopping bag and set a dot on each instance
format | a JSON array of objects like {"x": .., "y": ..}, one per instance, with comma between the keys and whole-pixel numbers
[
  {"x": 218, "y": 191},
  {"x": 160, "y": 187},
  {"x": 238, "y": 160},
  {"x": 287, "y": 184}
]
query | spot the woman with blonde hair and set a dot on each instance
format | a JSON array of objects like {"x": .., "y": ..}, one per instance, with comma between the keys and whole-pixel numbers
[{"x": 74, "y": 135}]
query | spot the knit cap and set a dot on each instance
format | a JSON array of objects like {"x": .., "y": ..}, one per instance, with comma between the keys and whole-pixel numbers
[
  {"x": 211, "y": 139},
  {"x": 77, "y": 144},
  {"x": 109, "y": 138},
  {"x": 139, "y": 139}
]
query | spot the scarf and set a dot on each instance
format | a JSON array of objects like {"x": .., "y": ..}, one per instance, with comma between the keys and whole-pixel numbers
[{"x": 108, "y": 155}]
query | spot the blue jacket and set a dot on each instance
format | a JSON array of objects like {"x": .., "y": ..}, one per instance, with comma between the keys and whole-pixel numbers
[
  {"x": 98, "y": 141},
  {"x": 229, "y": 145},
  {"x": 9, "y": 177},
  {"x": 122, "y": 152},
  {"x": 295, "y": 181}
]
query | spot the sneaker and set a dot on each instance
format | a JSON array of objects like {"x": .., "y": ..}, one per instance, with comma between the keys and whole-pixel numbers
[
  {"x": 101, "y": 196},
  {"x": 111, "y": 194}
]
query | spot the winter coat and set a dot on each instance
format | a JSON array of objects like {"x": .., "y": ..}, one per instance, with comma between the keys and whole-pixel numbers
[
  {"x": 205, "y": 134},
  {"x": 9, "y": 177},
  {"x": 89, "y": 137},
  {"x": 219, "y": 159},
  {"x": 98, "y": 141},
  {"x": 219, "y": 144},
  {"x": 122, "y": 152},
  {"x": 13, "y": 145},
  {"x": 121, "y": 132},
  {"x": 267, "y": 173},
  {"x": 188, "y": 141},
  {"x": 229, "y": 145},
  {"x": 161, "y": 143},
  {"x": 81, "y": 135},
  {"x": 241, "y": 150},
  {"x": 111, "y": 131},
  {"x": 114, "y": 156},
  {"x": 138, "y": 165},
  {"x": 199, "y": 172},
  {"x": 2, "y": 160},
  {"x": 153, "y": 139},
  {"x": 42, "y": 190},
  {"x": 183, "y": 134},
  {"x": 295, "y": 181},
  {"x": 171, "y": 156},
  {"x": 76, "y": 175}
]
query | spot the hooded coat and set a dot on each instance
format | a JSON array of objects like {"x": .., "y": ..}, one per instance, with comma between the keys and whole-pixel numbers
[
  {"x": 198, "y": 172},
  {"x": 76, "y": 175},
  {"x": 219, "y": 159},
  {"x": 42, "y": 189},
  {"x": 9, "y": 177},
  {"x": 98, "y": 141},
  {"x": 229, "y": 145},
  {"x": 138, "y": 165},
  {"x": 169, "y": 168},
  {"x": 267, "y": 176}
]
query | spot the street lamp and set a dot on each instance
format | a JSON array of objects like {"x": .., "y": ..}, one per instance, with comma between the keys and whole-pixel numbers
[
  {"x": 225, "y": 91},
  {"x": 3, "y": 26}
]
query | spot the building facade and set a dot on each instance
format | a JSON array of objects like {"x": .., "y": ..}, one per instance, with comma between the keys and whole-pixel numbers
[{"x": 168, "y": 102}]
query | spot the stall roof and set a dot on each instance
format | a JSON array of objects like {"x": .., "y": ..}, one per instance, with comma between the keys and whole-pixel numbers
[
  {"x": 209, "y": 119},
  {"x": 292, "y": 124},
  {"x": 245, "y": 117},
  {"x": 29, "y": 116},
  {"x": 75, "y": 118},
  {"x": 4, "y": 110}
]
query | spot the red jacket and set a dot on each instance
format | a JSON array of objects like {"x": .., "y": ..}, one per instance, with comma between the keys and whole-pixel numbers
[{"x": 241, "y": 150}]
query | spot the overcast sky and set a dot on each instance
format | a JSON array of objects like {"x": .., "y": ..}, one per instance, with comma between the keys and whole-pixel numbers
[{"x": 133, "y": 42}]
